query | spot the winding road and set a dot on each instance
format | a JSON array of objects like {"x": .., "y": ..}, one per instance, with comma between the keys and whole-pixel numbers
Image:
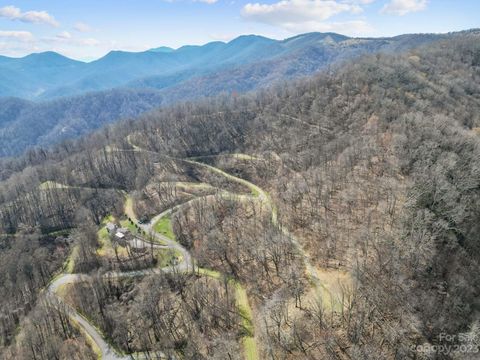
[
  {"x": 186, "y": 264},
  {"x": 105, "y": 349},
  {"x": 263, "y": 196}
]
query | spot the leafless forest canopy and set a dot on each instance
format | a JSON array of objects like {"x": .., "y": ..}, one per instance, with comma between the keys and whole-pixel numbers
[{"x": 373, "y": 168}]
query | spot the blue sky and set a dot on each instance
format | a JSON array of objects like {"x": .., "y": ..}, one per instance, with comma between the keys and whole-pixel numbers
[{"x": 88, "y": 29}]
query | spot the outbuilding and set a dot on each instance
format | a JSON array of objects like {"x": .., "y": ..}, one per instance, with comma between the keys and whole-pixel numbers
[{"x": 111, "y": 227}]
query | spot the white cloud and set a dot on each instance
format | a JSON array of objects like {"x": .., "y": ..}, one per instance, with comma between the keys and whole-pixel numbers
[
  {"x": 64, "y": 35},
  {"x": 403, "y": 7},
  {"x": 21, "y": 43},
  {"x": 297, "y": 10},
  {"x": 357, "y": 2},
  {"x": 66, "y": 39},
  {"x": 17, "y": 48},
  {"x": 309, "y": 15},
  {"x": 363, "y": 2},
  {"x": 35, "y": 17},
  {"x": 352, "y": 28},
  {"x": 89, "y": 42},
  {"x": 24, "y": 36},
  {"x": 82, "y": 27}
]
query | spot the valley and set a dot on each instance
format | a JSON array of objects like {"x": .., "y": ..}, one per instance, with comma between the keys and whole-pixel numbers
[{"x": 52, "y": 99}]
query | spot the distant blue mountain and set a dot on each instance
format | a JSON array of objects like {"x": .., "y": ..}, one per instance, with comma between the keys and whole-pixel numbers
[
  {"x": 65, "y": 98},
  {"x": 162, "y": 49},
  {"x": 49, "y": 75}
]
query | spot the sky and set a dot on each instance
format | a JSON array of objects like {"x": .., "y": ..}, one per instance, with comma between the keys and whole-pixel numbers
[{"x": 88, "y": 29}]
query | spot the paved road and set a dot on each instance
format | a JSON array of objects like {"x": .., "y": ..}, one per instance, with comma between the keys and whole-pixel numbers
[
  {"x": 185, "y": 265},
  {"x": 106, "y": 350},
  {"x": 186, "y": 262}
]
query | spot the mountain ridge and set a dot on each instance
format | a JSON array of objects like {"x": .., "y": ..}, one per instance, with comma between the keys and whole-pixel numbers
[
  {"x": 68, "y": 115},
  {"x": 61, "y": 76}
]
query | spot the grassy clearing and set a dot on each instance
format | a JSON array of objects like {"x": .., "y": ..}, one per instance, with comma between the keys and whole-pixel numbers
[
  {"x": 241, "y": 298},
  {"x": 106, "y": 247},
  {"x": 166, "y": 257},
  {"x": 104, "y": 242},
  {"x": 164, "y": 226},
  {"x": 70, "y": 262},
  {"x": 107, "y": 219},
  {"x": 211, "y": 273},
  {"x": 250, "y": 348},
  {"x": 244, "y": 306},
  {"x": 128, "y": 225},
  {"x": 249, "y": 344}
]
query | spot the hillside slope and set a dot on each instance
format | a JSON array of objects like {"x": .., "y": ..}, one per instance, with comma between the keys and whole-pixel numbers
[
  {"x": 373, "y": 173},
  {"x": 245, "y": 64},
  {"x": 23, "y": 123}
]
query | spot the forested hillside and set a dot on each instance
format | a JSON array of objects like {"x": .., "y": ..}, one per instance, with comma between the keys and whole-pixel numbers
[
  {"x": 333, "y": 218},
  {"x": 147, "y": 80},
  {"x": 24, "y": 124}
]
